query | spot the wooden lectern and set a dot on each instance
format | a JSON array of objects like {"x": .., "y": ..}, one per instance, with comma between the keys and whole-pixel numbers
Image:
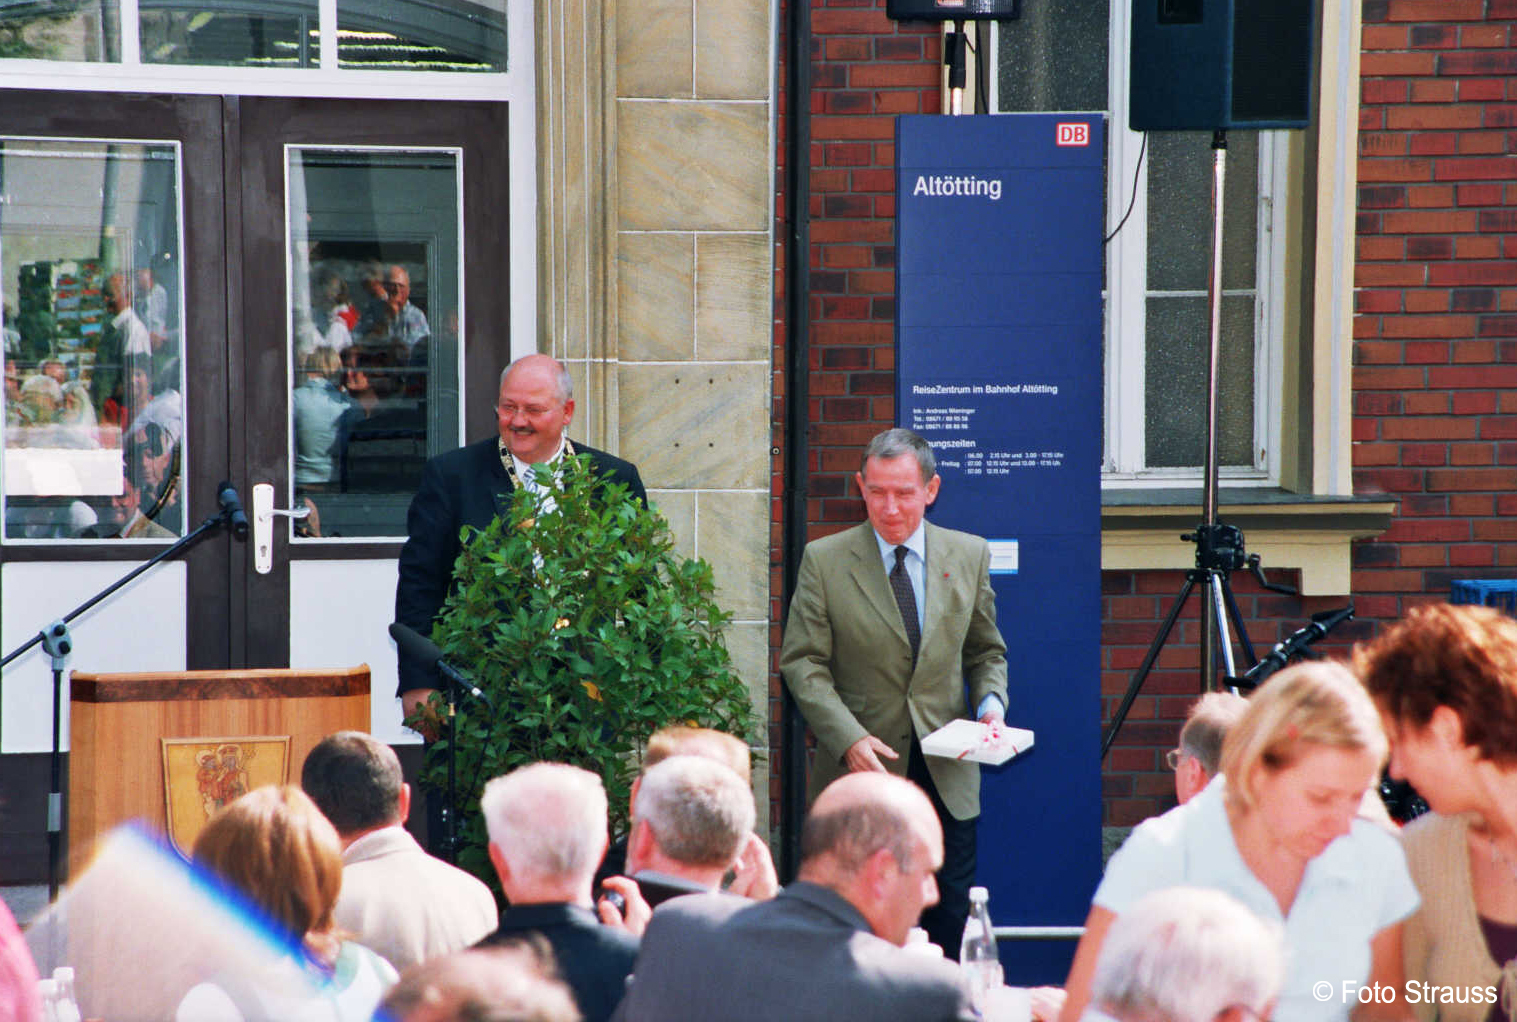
[{"x": 118, "y": 759}]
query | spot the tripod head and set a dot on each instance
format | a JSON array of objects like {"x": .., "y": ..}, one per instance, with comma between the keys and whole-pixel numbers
[{"x": 1218, "y": 547}]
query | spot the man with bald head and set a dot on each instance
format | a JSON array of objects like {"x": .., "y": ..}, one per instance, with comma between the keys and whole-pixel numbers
[
  {"x": 473, "y": 484},
  {"x": 391, "y": 318},
  {"x": 829, "y": 946}
]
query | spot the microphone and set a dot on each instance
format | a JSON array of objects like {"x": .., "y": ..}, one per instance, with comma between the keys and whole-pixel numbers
[
  {"x": 415, "y": 644},
  {"x": 231, "y": 507},
  {"x": 1299, "y": 642}
]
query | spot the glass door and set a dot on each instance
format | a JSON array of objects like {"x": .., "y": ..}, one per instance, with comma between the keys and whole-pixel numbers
[
  {"x": 114, "y": 287},
  {"x": 380, "y": 228},
  {"x": 304, "y": 292}
]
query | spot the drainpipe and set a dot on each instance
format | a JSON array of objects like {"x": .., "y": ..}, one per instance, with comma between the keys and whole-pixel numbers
[{"x": 796, "y": 471}]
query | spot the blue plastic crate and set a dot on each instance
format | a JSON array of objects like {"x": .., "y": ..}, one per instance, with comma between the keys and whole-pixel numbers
[{"x": 1500, "y": 593}]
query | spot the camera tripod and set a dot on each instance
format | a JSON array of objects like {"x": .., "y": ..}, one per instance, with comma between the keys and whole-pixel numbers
[{"x": 1219, "y": 552}]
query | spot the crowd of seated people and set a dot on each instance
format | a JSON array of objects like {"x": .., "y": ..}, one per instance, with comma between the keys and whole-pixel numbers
[{"x": 1267, "y": 893}]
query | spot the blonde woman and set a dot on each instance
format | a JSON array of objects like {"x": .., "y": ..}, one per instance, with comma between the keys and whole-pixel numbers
[
  {"x": 1445, "y": 680},
  {"x": 1276, "y": 829},
  {"x": 274, "y": 848}
]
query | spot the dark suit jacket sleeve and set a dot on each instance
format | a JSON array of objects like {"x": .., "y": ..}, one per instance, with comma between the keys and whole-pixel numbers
[
  {"x": 635, "y": 484},
  {"x": 984, "y": 648},
  {"x": 619, "y": 471},
  {"x": 806, "y": 663},
  {"x": 426, "y": 566}
]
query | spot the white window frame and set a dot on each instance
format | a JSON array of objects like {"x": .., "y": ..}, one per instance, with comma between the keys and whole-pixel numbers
[
  {"x": 1127, "y": 294},
  {"x": 515, "y": 86}
]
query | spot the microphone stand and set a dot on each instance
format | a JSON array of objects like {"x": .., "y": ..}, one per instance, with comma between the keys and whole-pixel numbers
[
  {"x": 56, "y": 640},
  {"x": 449, "y": 814}
]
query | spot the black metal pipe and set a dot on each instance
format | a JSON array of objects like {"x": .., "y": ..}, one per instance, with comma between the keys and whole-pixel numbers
[{"x": 796, "y": 470}]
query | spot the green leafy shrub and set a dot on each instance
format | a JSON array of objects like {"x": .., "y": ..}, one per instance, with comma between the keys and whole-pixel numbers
[{"x": 588, "y": 632}]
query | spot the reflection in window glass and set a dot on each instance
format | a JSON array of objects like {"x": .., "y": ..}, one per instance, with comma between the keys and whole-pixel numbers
[
  {"x": 1054, "y": 58},
  {"x": 1179, "y": 322},
  {"x": 248, "y": 34},
  {"x": 404, "y": 35},
  {"x": 89, "y": 272},
  {"x": 374, "y": 328},
  {"x": 60, "y": 31}
]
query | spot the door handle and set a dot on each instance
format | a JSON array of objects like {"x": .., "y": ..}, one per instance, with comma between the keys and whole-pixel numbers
[{"x": 264, "y": 513}]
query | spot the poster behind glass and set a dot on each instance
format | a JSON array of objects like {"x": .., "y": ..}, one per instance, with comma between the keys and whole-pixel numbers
[{"x": 94, "y": 379}]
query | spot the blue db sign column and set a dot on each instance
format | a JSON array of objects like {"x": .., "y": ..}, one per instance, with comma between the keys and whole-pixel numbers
[{"x": 999, "y": 347}]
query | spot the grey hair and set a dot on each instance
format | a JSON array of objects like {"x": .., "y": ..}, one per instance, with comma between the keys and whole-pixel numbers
[
  {"x": 563, "y": 386},
  {"x": 700, "y": 811},
  {"x": 1185, "y": 954},
  {"x": 895, "y": 442},
  {"x": 1208, "y": 722},
  {"x": 548, "y": 819}
]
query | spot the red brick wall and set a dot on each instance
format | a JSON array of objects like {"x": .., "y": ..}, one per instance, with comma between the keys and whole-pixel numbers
[
  {"x": 1435, "y": 377},
  {"x": 865, "y": 70},
  {"x": 868, "y": 69},
  {"x": 1436, "y": 311}
]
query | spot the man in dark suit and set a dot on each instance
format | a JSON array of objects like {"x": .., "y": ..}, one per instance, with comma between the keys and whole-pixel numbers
[
  {"x": 473, "y": 484},
  {"x": 888, "y": 623},
  {"x": 828, "y": 946},
  {"x": 547, "y": 826}
]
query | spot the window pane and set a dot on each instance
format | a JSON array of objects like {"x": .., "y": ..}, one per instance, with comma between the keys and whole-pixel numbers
[
  {"x": 374, "y": 328},
  {"x": 1175, "y": 383},
  {"x": 274, "y": 33},
  {"x": 60, "y": 31},
  {"x": 1053, "y": 58},
  {"x": 1179, "y": 198},
  {"x": 407, "y": 35},
  {"x": 89, "y": 244}
]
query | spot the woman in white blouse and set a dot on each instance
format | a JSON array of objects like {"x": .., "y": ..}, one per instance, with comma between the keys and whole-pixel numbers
[{"x": 1276, "y": 829}]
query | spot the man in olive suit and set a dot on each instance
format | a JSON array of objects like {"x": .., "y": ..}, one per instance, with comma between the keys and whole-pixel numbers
[{"x": 888, "y": 623}]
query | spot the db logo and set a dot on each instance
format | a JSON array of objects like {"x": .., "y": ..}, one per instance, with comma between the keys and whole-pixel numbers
[{"x": 1073, "y": 134}]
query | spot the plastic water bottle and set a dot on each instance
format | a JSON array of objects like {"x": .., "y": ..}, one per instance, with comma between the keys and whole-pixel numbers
[
  {"x": 978, "y": 958},
  {"x": 47, "y": 993},
  {"x": 65, "y": 1008}
]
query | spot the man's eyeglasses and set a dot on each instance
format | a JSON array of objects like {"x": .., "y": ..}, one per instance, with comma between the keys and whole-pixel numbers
[
  {"x": 532, "y": 411},
  {"x": 1173, "y": 756}
]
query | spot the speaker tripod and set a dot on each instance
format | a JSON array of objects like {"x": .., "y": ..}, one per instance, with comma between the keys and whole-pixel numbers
[{"x": 1219, "y": 548}]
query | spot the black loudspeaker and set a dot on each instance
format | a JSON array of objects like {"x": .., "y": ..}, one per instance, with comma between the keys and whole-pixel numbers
[
  {"x": 954, "y": 10},
  {"x": 1217, "y": 64}
]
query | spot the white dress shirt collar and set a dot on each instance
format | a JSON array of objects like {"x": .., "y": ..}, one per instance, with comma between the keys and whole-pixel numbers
[{"x": 916, "y": 543}]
